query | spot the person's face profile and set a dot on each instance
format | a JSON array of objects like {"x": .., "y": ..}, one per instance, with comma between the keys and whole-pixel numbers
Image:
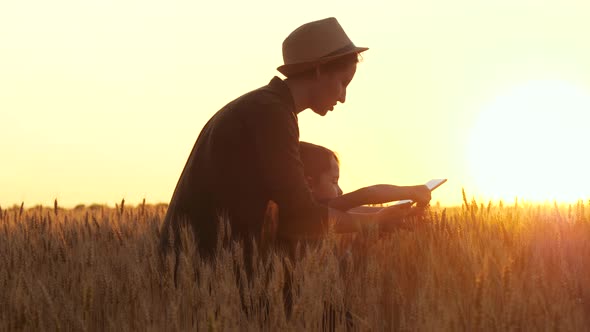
[
  {"x": 326, "y": 186},
  {"x": 330, "y": 88}
]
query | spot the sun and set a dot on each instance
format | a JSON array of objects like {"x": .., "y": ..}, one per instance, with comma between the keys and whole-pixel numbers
[{"x": 532, "y": 143}]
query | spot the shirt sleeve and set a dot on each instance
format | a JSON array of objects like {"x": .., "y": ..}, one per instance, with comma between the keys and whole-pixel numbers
[{"x": 276, "y": 137}]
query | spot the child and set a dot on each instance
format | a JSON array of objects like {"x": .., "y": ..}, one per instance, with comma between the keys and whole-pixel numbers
[{"x": 322, "y": 170}]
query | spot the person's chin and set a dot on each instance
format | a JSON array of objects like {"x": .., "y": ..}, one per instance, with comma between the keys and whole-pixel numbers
[{"x": 321, "y": 112}]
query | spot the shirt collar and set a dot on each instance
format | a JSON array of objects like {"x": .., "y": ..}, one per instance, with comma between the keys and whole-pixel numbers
[{"x": 283, "y": 91}]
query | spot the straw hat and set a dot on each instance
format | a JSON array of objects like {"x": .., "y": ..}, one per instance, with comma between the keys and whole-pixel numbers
[{"x": 315, "y": 43}]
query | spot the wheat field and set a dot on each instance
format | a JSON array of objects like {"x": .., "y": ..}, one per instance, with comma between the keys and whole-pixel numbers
[{"x": 477, "y": 267}]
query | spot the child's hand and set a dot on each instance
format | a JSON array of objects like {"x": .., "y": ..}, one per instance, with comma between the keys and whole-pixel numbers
[
  {"x": 419, "y": 211},
  {"x": 392, "y": 217},
  {"x": 401, "y": 217}
]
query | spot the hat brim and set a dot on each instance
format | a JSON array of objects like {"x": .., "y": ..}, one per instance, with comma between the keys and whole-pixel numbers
[{"x": 294, "y": 68}]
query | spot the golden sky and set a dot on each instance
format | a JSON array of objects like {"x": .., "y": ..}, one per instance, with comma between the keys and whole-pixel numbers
[{"x": 102, "y": 100}]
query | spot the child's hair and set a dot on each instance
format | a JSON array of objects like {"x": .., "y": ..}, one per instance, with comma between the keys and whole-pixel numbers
[{"x": 316, "y": 159}]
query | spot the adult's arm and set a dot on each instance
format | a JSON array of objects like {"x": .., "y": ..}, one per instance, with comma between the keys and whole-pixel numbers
[
  {"x": 276, "y": 140},
  {"x": 378, "y": 194}
]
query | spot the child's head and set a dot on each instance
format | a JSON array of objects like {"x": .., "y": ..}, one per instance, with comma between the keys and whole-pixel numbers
[{"x": 322, "y": 170}]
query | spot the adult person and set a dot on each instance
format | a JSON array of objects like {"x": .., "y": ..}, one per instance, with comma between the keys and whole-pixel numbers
[{"x": 247, "y": 154}]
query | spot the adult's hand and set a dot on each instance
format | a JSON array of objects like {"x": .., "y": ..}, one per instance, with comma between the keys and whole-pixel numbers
[{"x": 419, "y": 194}]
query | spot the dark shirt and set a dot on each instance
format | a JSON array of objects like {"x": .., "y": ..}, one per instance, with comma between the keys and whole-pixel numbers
[{"x": 245, "y": 156}]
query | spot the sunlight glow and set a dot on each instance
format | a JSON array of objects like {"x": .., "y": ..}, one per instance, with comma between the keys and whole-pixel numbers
[
  {"x": 102, "y": 100},
  {"x": 531, "y": 143}
]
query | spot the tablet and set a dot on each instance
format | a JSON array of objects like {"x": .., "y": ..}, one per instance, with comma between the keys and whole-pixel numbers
[
  {"x": 435, "y": 183},
  {"x": 432, "y": 184}
]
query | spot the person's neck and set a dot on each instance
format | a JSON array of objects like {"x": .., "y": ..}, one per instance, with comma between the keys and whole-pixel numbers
[{"x": 300, "y": 93}]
